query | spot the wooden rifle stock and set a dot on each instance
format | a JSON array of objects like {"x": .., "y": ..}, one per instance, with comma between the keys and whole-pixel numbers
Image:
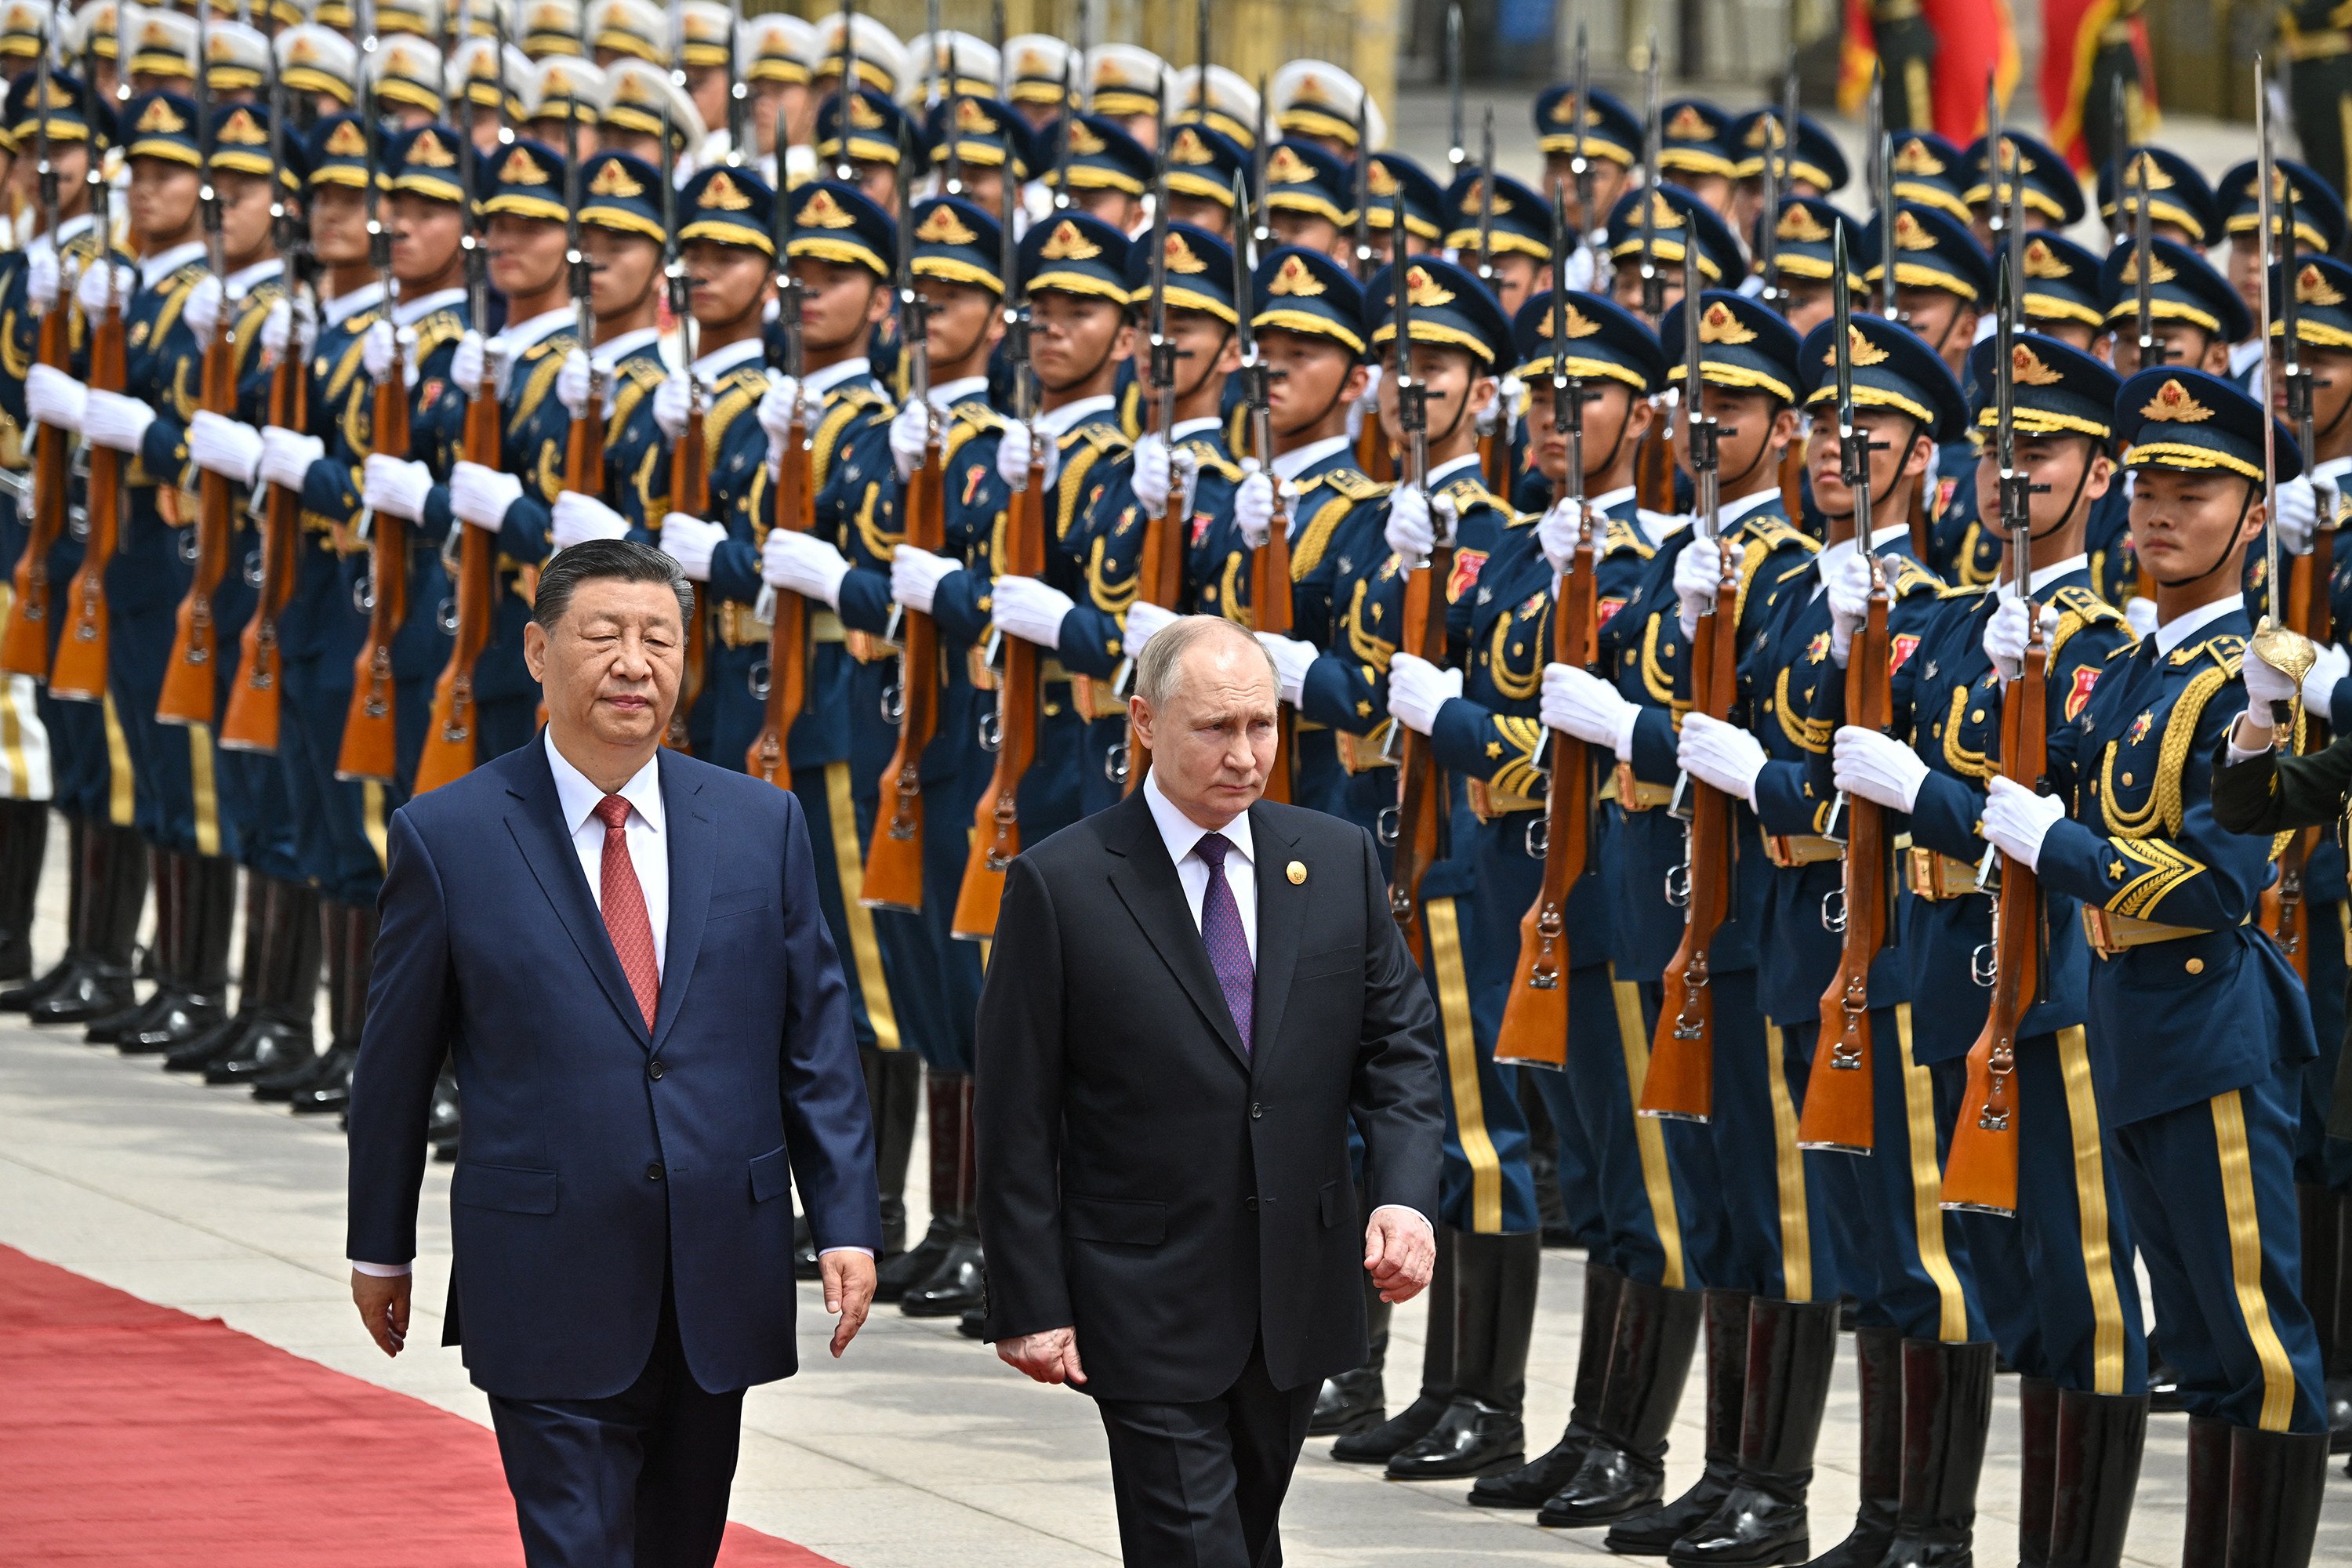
[
  {"x": 24, "y": 650},
  {"x": 1680, "y": 1085},
  {"x": 1534, "y": 1031},
  {"x": 1980, "y": 1170},
  {"x": 1420, "y": 790},
  {"x": 370, "y": 750},
  {"x": 770, "y": 757},
  {"x": 2308, "y": 612},
  {"x": 996, "y": 821},
  {"x": 1792, "y": 484},
  {"x": 1270, "y": 609},
  {"x": 1372, "y": 454},
  {"x": 1654, "y": 472},
  {"x": 894, "y": 858},
  {"x": 254, "y": 697},
  {"x": 689, "y": 492},
  {"x": 191, "y": 693},
  {"x": 1160, "y": 579},
  {"x": 79, "y": 673},
  {"x": 449, "y": 737},
  {"x": 1838, "y": 1090}
]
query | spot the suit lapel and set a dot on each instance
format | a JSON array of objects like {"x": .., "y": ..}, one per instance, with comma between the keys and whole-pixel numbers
[
  {"x": 693, "y": 847},
  {"x": 536, "y": 820},
  {"x": 1281, "y": 911},
  {"x": 1145, "y": 879}
]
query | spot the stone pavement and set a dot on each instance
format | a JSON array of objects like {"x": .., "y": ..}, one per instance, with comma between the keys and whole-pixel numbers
[{"x": 918, "y": 1448}]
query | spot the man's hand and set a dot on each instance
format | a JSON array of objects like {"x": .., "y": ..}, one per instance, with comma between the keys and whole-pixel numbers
[
  {"x": 382, "y": 1301},
  {"x": 849, "y": 1292},
  {"x": 1400, "y": 1252},
  {"x": 1049, "y": 1357}
]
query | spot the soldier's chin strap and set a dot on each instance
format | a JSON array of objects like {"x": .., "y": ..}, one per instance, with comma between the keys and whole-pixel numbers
[
  {"x": 1210, "y": 362},
  {"x": 1763, "y": 451},
  {"x": 2082, "y": 481},
  {"x": 2253, "y": 488},
  {"x": 1091, "y": 371},
  {"x": 1918, "y": 429}
]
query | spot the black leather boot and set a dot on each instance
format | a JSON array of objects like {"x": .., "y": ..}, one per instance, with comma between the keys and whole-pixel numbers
[
  {"x": 114, "y": 873},
  {"x": 1535, "y": 1482},
  {"x": 941, "y": 1108},
  {"x": 2205, "y": 1527},
  {"x": 278, "y": 1042},
  {"x": 351, "y": 929},
  {"x": 1480, "y": 1432},
  {"x": 252, "y": 967},
  {"x": 206, "y": 917},
  {"x": 2037, "y": 1469},
  {"x": 894, "y": 1087},
  {"x": 1947, "y": 1407},
  {"x": 2275, "y": 1481},
  {"x": 24, "y": 842},
  {"x": 1357, "y": 1400},
  {"x": 267, "y": 915},
  {"x": 1624, "y": 1468},
  {"x": 1376, "y": 1445},
  {"x": 1792, "y": 1351},
  {"x": 168, "y": 871},
  {"x": 960, "y": 1277},
  {"x": 2098, "y": 1441},
  {"x": 17, "y": 999},
  {"x": 1878, "y": 1366},
  {"x": 278, "y": 996},
  {"x": 1651, "y": 1534}
]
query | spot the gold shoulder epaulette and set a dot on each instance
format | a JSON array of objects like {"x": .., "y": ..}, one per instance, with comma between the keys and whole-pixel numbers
[
  {"x": 1471, "y": 490},
  {"x": 1911, "y": 578},
  {"x": 1103, "y": 436},
  {"x": 1352, "y": 483},
  {"x": 1774, "y": 533},
  {"x": 1624, "y": 539}
]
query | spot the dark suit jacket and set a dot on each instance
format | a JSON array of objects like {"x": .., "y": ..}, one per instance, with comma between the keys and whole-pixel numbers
[
  {"x": 1143, "y": 1178},
  {"x": 587, "y": 1171},
  {"x": 2274, "y": 794}
]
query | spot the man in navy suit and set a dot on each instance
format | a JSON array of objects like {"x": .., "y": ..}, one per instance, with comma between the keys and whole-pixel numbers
[{"x": 624, "y": 951}]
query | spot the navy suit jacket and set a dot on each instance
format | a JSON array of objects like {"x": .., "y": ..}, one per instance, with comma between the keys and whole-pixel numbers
[{"x": 598, "y": 1155}]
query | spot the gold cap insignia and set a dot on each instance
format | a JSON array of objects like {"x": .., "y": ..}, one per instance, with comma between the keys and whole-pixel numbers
[
  {"x": 1067, "y": 243},
  {"x": 1083, "y": 142},
  {"x": 1689, "y": 125},
  {"x": 1859, "y": 347},
  {"x": 1720, "y": 323},
  {"x": 522, "y": 169},
  {"x": 1422, "y": 289},
  {"x": 1296, "y": 280},
  {"x": 1286, "y": 167},
  {"x": 613, "y": 180},
  {"x": 347, "y": 141},
  {"x": 1475, "y": 195},
  {"x": 1766, "y": 132},
  {"x": 2041, "y": 262},
  {"x": 972, "y": 117},
  {"x": 863, "y": 115},
  {"x": 162, "y": 119},
  {"x": 1190, "y": 150},
  {"x": 2158, "y": 271},
  {"x": 1379, "y": 180},
  {"x": 429, "y": 152},
  {"x": 1578, "y": 324},
  {"x": 1664, "y": 215},
  {"x": 2176, "y": 404},
  {"x": 1180, "y": 258},
  {"x": 241, "y": 130},
  {"x": 2312, "y": 288},
  {"x": 1311, "y": 89},
  {"x": 2026, "y": 365},
  {"x": 1799, "y": 224},
  {"x": 1564, "y": 112},
  {"x": 943, "y": 227},
  {"x": 305, "y": 52},
  {"x": 1915, "y": 157},
  {"x": 1910, "y": 234},
  {"x": 822, "y": 210},
  {"x": 2147, "y": 175}
]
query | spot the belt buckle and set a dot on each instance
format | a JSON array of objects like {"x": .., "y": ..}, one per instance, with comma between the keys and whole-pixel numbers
[
  {"x": 2099, "y": 930},
  {"x": 1629, "y": 790}
]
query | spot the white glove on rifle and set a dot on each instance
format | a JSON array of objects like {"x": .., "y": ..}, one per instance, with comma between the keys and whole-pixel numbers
[
  {"x": 910, "y": 434},
  {"x": 478, "y": 356},
  {"x": 673, "y": 404},
  {"x": 479, "y": 496},
  {"x": 690, "y": 541},
  {"x": 1292, "y": 660},
  {"x": 41, "y": 277},
  {"x": 287, "y": 455},
  {"x": 1583, "y": 705},
  {"x": 1142, "y": 620},
  {"x": 916, "y": 575},
  {"x": 776, "y": 415},
  {"x": 1849, "y": 604},
  {"x": 110, "y": 420},
  {"x": 1417, "y": 689},
  {"x": 577, "y": 519},
  {"x": 2266, "y": 684},
  {"x": 1414, "y": 519},
  {"x": 90, "y": 291},
  {"x": 394, "y": 485},
  {"x": 1876, "y": 767},
  {"x": 1154, "y": 474},
  {"x": 803, "y": 563},
  {"x": 1722, "y": 755},
  {"x": 201, "y": 309},
  {"x": 571, "y": 383},
  {"x": 2298, "y": 513},
  {"x": 54, "y": 398},
  {"x": 1033, "y": 611},
  {"x": 2017, "y": 820},
  {"x": 2005, "y": 638},
  {"x": 1012, "y": 456},
  {"x": 219, "y": 445},
  {"x": 291, "y": 326},
  {"x": 378, "y": 346},
  {"x": 1254, "y": 505},
  {"x": 1558, "y": 532},
  {"x": 1698, "y": 571}
]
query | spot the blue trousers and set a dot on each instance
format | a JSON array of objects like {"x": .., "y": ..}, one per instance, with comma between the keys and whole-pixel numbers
[
  {"x": 178, "y": 790},
  {"x": 335, "y": 847},
  {"x": 89, "y": 763},
  {"x": 1486, "y": 1184}
]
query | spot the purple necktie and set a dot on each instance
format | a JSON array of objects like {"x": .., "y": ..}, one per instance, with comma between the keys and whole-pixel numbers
[{"x": 1221, "y": 929}]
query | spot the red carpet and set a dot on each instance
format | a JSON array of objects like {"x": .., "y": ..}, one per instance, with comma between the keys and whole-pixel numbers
[{"x": 134, "y": 1433}]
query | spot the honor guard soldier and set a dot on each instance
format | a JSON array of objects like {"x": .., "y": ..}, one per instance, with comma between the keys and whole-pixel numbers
[
  {"x": 1757, "y": 1257},
  {"x": 2180, "y": 206},
  {"x": 1218, "y": 97},
  {"x": 623, "y": 239},
  {"x": 2059, "y": 294},
  {"x": 2319, "y": 229},
  {"x": 1316, "y": 102},
  {"x": 1309, "y": 197},
  {"x": 561, "y": 92},
  {"x": 1109, "y": 170},
  {"x": 1803, "y": 263},
  {"x": 408, "y": 79},
  {"x": 1202, "y": 166},
  {"x": 1121, "y": 82},
  {"x": 417, "y": 18},
  {"x": 2054, "y": 1278},
  {"x": 550, "y": 29},
  {"x": 1608, "y": 136},
  {"x": 321, "y": 64},
  {"x": 990, "y": 143},
  {"x": 1926, "y": 169},
  {"x": 163, "y": 52},
  {"x": 626, "y": 30},
  {"x": 864, "y": 133},
  {"x": 93, "y": 37},
  {"x": 705, "y": 48},
  {"x": 783, "y": 116},
  {"x": 237, "y": 62},
  {"x": 1693, "y": 152},
  {"x": 1813, "y": 168},
  {"x": 1393, "y": 175},
  {"x": 1513, "y": 226},
  {"x": 949, "y": 64},
  {"x": 1040, "y": 67},
  {"x": 1892, "y": 1246},
  {"x": 642, "y": 108},
  {"x": 2052, "y": 195},
  {"x": 1675, "y": 216},
  {"x": 2199, "y": 1092},
  {"x": 882, "y": 64},
  {"x": 485, "y": 86},
  {"x": 1941, "y": 284},
  {"x": 2193, "y": 313},
  {"x": 1467, "y": 1419}
]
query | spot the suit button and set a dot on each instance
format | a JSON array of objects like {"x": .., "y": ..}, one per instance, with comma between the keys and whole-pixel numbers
[
  {"x": 654, "y": 1069},
  {"x": 1257, "y": 1110},
  {"x": 654, "y": 1172},
  {"x": 1250, "y": 1203}
]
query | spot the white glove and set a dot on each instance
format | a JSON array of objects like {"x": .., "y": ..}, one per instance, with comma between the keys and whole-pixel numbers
[
  {"x": 1367, "y": 406},
  {"x": 1587, "y": 707},
  {"x": 1557, "y": 531},
  {"x": 1025, "y": 608},
  {"x": 2266, "y": 683},
  {"x": 479, "y": 496},
  {"x": 54, "y": 398},
  {"x": 92, "y": 292},
  {"x": 803, "y": 563},
  {"x": 776, "y": 415},
  {"x": 1254, "y": 505},
  {"x": 674, "y": 404},
  {"x": 110, "y": 420},
  {"x": 287, "y": 455},
  {"x": 41, "y": 279},
  {"x": 916, "y": 575},
  {"x": 1154, "y": 474},
  {"x": 478, "y": 356},
  {"x": 394, "y": 485},
  {"x": 2319, "y": 686},
  {"x": 2298, "y": 515},
  {"x": 1418, "y": 689},
  {"x": 577, "y": 519},
  {"x": 2016, "y": 820},
  {"x": 376, "y": 350},
  {"x": 1143, "y": 620},
  {"x": 1849, "y": 604},
  {"x": 1698, "y": 571},
  {"x": 202, "y": 308},
  {"x": 219, "y": 445},
  {"x": 2004, "y": 635},
  {"x": 1292, "y": 660},
  {"x": 1723, "y": 755},
  {"x": 910, "y": 433},
  {"x": 1877, "y": 768},
  {"x": 2140, "y": 615},
  {"x": 1414, "y": 519},
  {"x": 1012, "y": 456},
  {"x": 571, "y": 383},
  {"x": 690, "y": 541},
  {"x": 276, "y": 331}
]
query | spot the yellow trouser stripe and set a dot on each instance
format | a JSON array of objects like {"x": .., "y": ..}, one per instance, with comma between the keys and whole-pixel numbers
[
  {"x": 1927, "y": 1187},
  {"x": 1462, "y": 1067},
  {"x": 1796, "y": 1223},
  {"x": 1657, "y": 1179},
  {"x": 11, "y": 740},
  {"x": 372, "y": 821},
  {"x": 2091, "y": 1209},
  {"x": 2246, "y": 1260},
  {"x": 122, "y": 800},
  {"x": 2344, "y": 919},
  {"x": 852, "y": 872},
  {"x": 200, "y": 777}
]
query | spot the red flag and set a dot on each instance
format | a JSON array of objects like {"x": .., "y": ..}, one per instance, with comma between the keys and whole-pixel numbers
[
  {"x": 1973, "y": 37},
  {"x": 2071, "y": 32}
]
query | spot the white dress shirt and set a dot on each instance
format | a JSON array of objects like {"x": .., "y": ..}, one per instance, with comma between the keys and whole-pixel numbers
[{"x": 648, "y": 849}]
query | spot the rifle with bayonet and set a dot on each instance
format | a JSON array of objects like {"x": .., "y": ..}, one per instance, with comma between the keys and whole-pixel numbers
[
  {"x": 2273, "y": 642},
  {"x": 1838, "y": 1111},
  {"x": 1417, "y": 831},
  {"x": 1159, "y": 577},
  {"x": 584, "y": 447},
  {"x": 996, "y": 819},
  {"x": 1062, "y": 153},
  {"x": 786, "y": 694},
  {"x": 449, "y": 736},
  {"x": 2309, "y": 573},
  {"x": 1579, "y": 163},
  {"x": 1494, "y": 440},
  {"x": 24, "y": 647},
  {"x": 2119, "y": 149},
  {"x": 894, "y": 855},
  {"x": 1456, "y": 152},
  {"x": 1372, "y": 454},
  {"x": 1654, "y": 457},
  {"x": 369, "y": 749},
  {"x": 1270, "y": 604},
  {"x": 1777, "y": 154},
  {"x": 843, "y": 169}
]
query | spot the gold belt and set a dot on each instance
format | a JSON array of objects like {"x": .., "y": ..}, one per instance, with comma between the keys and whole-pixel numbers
[
  {"x": 1631, "y": 794},
  {"x": 1490, "y": 804},
  {"x": 738, "y": 627},
  {"x": 1803, "y": 849},
  {"x": 2321, "y": 46},
  {"x": 2110, "y": 933},
  {"x": 1938, "y": 878},
  {"x": 1362, "y": 754}
]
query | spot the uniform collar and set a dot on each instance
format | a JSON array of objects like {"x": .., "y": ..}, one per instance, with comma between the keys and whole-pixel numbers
[
  {"x": 609, "y": 354},
  {"x": 241, "y": 282},
  {"x": 522, "y": 335},
  {"x": 68, "y": 232},
  {"x": 2046, "y": 576},
  {"x": 334, "y": 312},
  {"x": 835, "y": 375},
  {"x": 408, "y": 312},
  {"x": 1185, "y": 430},
  {"x": 1290, "y": 465},
  {"x": 1731, "y": 511},
  {"x": 718, "y": 361},
  {"x": 1070, "y": 416},
  {"x": 2333, "y": 469},
  {"x": 1608, "y": 498},
  {"x": 154, "y": 269},
  {"x": 2171, "y": 634},
  {"x": 946, "y": 394},
  {"x": 1444, "y": 472},
  {"x": 1833, "y": 556}
]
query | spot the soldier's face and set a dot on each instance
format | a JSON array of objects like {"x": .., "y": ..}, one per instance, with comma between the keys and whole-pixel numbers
[
  {"x": 1116, "y": 208},
  {"x": 2192, "y": 527},
  {"x": 1752, "y": 428},
  {"x": 1455, "y": 392},
  {"x": 1608, "y": 184},
  {"x": 526, "y": 254},
  {"x": 636, "y": 143},
  {"x": 1074, "y": 337},
  {"x": 2073, "y": 334},
  {"x": 2183, "y": 345},
  {"x": 1714, "y": 190},
  {"x": 425, "y": 236},
  {"x": 2245, "y": 271},
  {"x": 162, "y": 197},
  {"x": 2328, "y": 372},
  {"x": 1309, "y": 379},
  {"x": 1614, "y": 420},
  {"x": 1897, "y": 452},
  {"x": 621, "y": 269},
  {"x": 963, "y": 325},
  {"x": 1200, "y": 212},
  {"x": 1808, "y": 303},
  {"x": 1305, "y": 231},
  {"x": 983, "y": 188},
  {"x": 1205, "y": 349},
  {"x": 837, "y": 302},
  {"x": 1943, "y": 318},
  {"x": 1626, "y": 288},
  {"x": 338, "y": 225},
  {"x": 878, "y": 181},
  {"x": 1515, "y": 277},
  {"x": 556, "y": 131},
  {"x": 707, "y": 85},
  {"x": 2067, "y": 473},
  {"x": 725, "y": 282},
  {"x": 244, "y": 215}
]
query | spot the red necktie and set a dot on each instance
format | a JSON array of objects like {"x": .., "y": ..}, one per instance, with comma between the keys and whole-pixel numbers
[{"x": 625, "y": 920}]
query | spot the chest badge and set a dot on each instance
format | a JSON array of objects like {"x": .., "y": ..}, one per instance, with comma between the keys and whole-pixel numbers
[
  {"x": 1295, "y": 872},
  {"x": 2141, "y": 727},
  {"x": 2085, "y": 677}
]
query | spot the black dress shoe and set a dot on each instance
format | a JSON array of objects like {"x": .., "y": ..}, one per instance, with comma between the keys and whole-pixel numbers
[
  {"x": 1349, "y": 1403},
  {"x": 894, "y": 1276},
  {"x": 114, "y": 1028},
  {"x": 956, "y": 1285},
  {"x": 178, "y": 1021},
  {"x": 280, "y": 1086},
  {"x": 270, "y": 1050},
  {"x": 20, "y": 998},
  {"x": 1379, "y": 1445},
  {"x": 92, "y": 991},
  {"x": 973, "y": 1324},
  {"x": 1762, "y": 1523},
  {"x": 1611, "y": 1484},
  {"x": 1472, "y": 1439},
  {"x": 331, "y": 1088},
  {"x": 231, "y": 1036},
  {"x": 1534, "y": 1483}
]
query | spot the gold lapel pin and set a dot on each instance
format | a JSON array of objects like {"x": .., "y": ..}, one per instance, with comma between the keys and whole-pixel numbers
[{"x": 1296, "y": 872}]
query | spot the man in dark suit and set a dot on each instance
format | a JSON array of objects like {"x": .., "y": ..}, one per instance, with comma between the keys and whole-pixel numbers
[
  {"x": 1191, "y": 996},
  {"x": 623, "y": 948}
]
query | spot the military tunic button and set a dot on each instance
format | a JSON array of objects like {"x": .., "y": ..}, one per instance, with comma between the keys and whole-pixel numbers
[{"x": 2196, "y": 966}]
